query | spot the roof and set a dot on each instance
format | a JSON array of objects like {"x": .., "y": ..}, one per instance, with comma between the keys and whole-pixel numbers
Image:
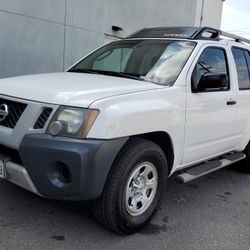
[{"x": 194, "y": 33}]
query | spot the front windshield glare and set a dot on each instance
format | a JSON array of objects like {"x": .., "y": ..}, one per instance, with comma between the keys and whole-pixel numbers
[{"x": 149, "y": 60}]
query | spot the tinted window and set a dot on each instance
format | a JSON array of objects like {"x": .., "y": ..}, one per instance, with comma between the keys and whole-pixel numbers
[
  {"x": 112, "y": 60},
  {"x": 153, "y": 61},
  {"x": 248, "y": 59},
  {"x": 242, "y": 68},
  {"x": 212, "y": 60}
]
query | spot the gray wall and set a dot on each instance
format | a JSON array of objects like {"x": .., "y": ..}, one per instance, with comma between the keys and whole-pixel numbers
[
  {"x": 209, "y": 13},
  {"x": 49, "y": 35}
]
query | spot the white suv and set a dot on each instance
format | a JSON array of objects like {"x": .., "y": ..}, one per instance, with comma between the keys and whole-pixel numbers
[{"x": 120, "y": 121}]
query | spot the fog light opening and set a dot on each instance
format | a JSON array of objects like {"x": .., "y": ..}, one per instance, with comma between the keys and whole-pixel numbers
[
  {"x": 59, "y": 174},
  {"x": 65, "y": 174}
]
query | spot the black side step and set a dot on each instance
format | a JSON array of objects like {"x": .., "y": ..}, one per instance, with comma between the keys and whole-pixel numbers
[{"x": 209, "y": 167}]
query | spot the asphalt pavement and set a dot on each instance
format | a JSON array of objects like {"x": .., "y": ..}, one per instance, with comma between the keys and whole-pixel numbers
[{"x": 212, "y": 212}]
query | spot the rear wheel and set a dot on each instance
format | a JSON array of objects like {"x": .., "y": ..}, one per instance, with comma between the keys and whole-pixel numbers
[
  {"x": 134, "y": 188},
  {"x": 245, "y": 164}
]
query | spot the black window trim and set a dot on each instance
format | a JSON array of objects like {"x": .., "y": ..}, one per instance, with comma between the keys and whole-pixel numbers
[
  {"x": 244, "y": 50},
  {"x": 227, "y": 67}
]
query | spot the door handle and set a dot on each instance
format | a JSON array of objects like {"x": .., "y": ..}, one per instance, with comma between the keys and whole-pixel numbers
[{"x": 231, "y": 102}]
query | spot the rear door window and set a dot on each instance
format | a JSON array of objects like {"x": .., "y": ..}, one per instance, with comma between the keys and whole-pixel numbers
[
  {"x": 242, "y": 66},
  {"x": 247, "y": 54}
]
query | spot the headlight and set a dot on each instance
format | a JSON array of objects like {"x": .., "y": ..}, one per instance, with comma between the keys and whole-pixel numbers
[{"x": 72, "y": 122}]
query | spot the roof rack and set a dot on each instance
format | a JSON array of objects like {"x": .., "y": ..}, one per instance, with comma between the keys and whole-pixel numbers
[
  {"x": 204, "y": 33},
  {"x": 216, "y": 34}
]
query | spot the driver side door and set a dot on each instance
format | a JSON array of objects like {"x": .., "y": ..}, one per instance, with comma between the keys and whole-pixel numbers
[{"x": 210, "y": 114}]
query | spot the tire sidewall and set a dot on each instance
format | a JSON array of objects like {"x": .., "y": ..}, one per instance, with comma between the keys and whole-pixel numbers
[{"x": 159, "y": 161}]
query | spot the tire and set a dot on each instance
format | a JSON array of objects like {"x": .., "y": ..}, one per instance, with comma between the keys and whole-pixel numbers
[
  {"x": 133, "y": 189},
  {"x": 245, "y": 164}
]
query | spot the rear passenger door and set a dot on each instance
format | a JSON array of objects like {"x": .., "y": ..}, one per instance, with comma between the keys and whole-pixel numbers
[
  {"x": 242, "y": 62},
  {"x": 210, "y": 114}
]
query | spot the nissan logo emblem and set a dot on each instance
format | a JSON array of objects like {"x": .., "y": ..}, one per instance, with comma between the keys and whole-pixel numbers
[{"x": 4, "y": 111}]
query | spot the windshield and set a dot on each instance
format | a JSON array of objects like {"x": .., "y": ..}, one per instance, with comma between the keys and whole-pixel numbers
[{"x": 148, "y": 60}]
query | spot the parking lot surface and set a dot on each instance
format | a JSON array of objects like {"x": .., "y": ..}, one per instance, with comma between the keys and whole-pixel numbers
[{"x": 212, "y": 212}]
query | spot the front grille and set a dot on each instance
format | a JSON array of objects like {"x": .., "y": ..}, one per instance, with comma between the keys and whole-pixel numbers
[
  {"x": 43, "y": 118},
  {"x": 15, "y": 110}
]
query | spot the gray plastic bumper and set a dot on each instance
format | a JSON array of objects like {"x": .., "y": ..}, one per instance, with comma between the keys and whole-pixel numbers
[
  {"x": 63, "y": 168},
  {"x": 18, "y": 175}
]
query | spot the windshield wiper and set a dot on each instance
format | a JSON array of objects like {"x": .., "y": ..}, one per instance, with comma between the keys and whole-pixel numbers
[
  {"x": 110, "y": 73},
  {"x": 127, "y": 75},
  {"x": 120, "y": 74},
  {"x": 89, "y": 71}
]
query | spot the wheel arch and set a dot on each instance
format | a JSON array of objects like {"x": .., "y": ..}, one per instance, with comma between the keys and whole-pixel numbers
[
  {"x": 161, "y": 138},
  {"x": 164, "y": 141}
]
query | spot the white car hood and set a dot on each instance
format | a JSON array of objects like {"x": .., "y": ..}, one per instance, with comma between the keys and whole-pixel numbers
[{"x": 73, "y": 89}]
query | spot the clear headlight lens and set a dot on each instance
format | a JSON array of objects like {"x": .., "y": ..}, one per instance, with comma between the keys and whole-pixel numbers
[
  {"x": 72, "y": 122},
  {"x": 73, "y": 119}
]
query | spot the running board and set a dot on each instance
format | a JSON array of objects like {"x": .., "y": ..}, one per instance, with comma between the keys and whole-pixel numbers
[{"x": 209, "y": 167}]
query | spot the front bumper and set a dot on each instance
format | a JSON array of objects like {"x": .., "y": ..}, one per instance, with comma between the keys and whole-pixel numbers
[{"x": 64, "y": 168}]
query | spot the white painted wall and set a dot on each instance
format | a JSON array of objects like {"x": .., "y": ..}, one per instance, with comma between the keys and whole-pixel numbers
[{"x": 208, "y": 13}]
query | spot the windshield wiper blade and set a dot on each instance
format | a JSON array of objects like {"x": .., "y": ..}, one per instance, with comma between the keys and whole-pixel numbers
[
  {"x": 122, "y": 74},
  {"x": 127, "y": 75},
  {"x": 110, "y": 73},
  {"x": 89, "y": 71}
]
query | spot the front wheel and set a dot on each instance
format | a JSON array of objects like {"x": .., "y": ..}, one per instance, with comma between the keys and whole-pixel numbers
[{"x": 134, "y": 188}]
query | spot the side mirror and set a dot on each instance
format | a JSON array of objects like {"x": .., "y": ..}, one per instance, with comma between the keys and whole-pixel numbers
[{"x": 211, "y": 81}]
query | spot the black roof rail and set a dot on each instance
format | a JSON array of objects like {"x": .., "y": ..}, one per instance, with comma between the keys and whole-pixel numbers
[
  {"x": 216, "y": 34},
  {"x": 235, "y": 37},
  {"x": 204, "y": 33}
]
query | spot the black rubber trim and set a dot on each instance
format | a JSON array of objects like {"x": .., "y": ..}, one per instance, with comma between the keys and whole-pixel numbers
[
  {"x": 88, "y": 161},
  {"x": 234, "y": 156}
]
